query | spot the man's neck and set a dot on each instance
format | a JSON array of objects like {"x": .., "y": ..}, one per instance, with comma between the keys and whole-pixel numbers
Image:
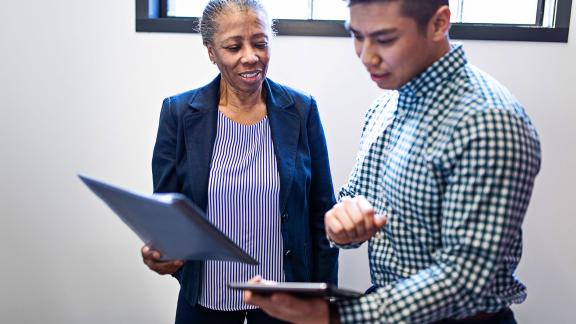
[{"x": 439, "y": 51}]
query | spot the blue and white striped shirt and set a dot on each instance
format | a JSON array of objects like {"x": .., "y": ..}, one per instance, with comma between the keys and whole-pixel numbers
[{"x": 243, "y": 202}]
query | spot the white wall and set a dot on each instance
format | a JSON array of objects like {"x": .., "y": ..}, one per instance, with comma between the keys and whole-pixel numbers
[{"x": 80, "y": 92}]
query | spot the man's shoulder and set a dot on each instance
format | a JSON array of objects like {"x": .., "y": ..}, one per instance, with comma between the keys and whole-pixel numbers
[
  {"x": 477, "y": 95},
  {"x": 479, "y": 102},
  {"x": 482, "y": 92}
]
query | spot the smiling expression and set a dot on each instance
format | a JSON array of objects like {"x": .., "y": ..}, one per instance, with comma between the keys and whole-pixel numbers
[{"x": 240, "y": 50}]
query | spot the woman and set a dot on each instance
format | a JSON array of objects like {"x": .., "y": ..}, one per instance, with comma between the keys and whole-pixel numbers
[{"x": 252, "y": 154}]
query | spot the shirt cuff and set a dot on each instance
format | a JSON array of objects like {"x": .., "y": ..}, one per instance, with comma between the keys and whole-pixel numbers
[
  {"x": 370, "y": 308},
  {"x": 343, "y": 246}
]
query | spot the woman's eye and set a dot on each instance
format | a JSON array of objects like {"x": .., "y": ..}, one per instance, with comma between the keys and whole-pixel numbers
[
  {"x": 261, "y": 45},
  {"x": 232, "y": 48}
]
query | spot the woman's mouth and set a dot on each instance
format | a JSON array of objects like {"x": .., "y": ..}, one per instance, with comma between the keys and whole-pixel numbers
[{"x": 250, "y": 75}]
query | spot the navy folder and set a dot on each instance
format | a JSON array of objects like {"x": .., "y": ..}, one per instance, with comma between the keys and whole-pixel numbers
[{"x": 169, "y": 223}]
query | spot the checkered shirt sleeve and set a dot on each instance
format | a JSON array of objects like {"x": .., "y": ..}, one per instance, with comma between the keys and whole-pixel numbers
[{"x": 359, "y": 177}]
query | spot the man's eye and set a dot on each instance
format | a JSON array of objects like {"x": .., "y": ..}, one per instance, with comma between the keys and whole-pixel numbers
[
  {"x": 261, "y": 45},
  {"x": 385, "y": 41}
]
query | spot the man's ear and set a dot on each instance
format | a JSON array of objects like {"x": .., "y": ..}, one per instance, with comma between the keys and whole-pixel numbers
[{"x": 439, "y": 24}]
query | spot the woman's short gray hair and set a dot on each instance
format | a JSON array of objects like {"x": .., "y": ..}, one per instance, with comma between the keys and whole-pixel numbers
[{"x": 214, "y": 8}]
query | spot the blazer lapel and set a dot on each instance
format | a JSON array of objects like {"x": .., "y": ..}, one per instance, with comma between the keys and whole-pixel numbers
[
  {"x": 200, "y": 125},
  {"x": 285, "y": 128}
]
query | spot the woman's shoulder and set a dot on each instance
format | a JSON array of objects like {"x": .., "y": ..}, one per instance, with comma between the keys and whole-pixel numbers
[
  {"x": 185, "y": 96},
  {"x": 299, "y": 97},
  {"x": 189, "y": 95},
  {"x": 291, "y": 91}
]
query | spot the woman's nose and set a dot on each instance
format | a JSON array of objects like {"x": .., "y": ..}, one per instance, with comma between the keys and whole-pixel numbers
[{"x": 249, "y": 56}]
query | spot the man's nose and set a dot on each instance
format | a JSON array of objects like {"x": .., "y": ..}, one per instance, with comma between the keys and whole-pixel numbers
[{"x": 369, "y": 56}]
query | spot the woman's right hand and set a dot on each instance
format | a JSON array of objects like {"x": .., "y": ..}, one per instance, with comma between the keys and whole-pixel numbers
[{"x": 152, "y": 259}]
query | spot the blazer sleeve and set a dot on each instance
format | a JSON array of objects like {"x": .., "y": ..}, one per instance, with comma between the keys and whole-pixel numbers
[
  {"x": 164, "y": 156},
  {"x": 321, "y": 199},
  {"x": 164, "y": 174}
]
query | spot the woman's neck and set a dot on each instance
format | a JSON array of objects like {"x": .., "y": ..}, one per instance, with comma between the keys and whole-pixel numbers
[
  {"x": 237, "y": 100},
  {"x": 241, "y": 107}
]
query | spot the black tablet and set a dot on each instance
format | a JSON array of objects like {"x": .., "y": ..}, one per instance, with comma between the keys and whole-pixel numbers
[{"x": 299, "y": 289}]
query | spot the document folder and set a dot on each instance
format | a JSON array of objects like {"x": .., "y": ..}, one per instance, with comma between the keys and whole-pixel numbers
[{"x": 169, "y": 223}]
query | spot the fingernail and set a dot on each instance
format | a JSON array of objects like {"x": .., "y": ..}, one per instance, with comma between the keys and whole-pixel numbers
[{"x": 381, "y": 218}]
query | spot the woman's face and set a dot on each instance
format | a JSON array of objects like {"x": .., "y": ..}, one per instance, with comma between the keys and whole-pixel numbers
[{"x": 240, "y": 49}]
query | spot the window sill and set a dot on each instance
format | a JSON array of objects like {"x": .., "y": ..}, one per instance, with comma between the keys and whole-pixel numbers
[{"x": 335, "y": 28}]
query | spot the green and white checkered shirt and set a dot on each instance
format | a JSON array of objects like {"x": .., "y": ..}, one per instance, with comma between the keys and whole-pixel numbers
[{"x": 451, "y": 158}]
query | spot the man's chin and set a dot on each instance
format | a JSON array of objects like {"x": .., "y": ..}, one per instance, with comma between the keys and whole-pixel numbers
[{"x": 387, "y": 86}]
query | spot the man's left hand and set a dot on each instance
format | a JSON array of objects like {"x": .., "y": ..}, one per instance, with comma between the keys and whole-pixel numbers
[{"x": 289, "y": 308}]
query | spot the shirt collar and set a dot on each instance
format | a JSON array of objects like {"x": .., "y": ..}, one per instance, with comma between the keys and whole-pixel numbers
[{"x": 437, "y": 73}]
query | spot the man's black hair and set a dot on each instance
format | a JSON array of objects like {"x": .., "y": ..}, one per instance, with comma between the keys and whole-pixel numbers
[{"x": 419, "y": 10}]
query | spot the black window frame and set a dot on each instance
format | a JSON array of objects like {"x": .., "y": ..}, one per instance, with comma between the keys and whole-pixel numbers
[{"x": 151, "y": 16}]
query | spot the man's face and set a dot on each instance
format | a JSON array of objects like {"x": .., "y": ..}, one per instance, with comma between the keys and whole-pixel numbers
[{"x": 391, "y": 46}]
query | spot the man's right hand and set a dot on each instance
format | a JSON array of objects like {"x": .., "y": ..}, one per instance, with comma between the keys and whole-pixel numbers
[
  {"x": 353, "y": 220},
  {"x": 152, "y": 259}
]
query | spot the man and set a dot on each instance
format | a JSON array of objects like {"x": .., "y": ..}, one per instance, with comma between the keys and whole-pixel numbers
[{"x": 449, "y": 157}]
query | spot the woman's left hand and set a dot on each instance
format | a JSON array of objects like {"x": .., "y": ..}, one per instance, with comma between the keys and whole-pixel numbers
[{"x": 289, "y": 308}]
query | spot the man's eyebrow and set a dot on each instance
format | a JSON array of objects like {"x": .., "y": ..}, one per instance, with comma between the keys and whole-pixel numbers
[{"x": 384, "y": 31}]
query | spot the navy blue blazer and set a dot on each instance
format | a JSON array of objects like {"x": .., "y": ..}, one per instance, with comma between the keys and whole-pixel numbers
[{"x": 181, "y": 163}]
